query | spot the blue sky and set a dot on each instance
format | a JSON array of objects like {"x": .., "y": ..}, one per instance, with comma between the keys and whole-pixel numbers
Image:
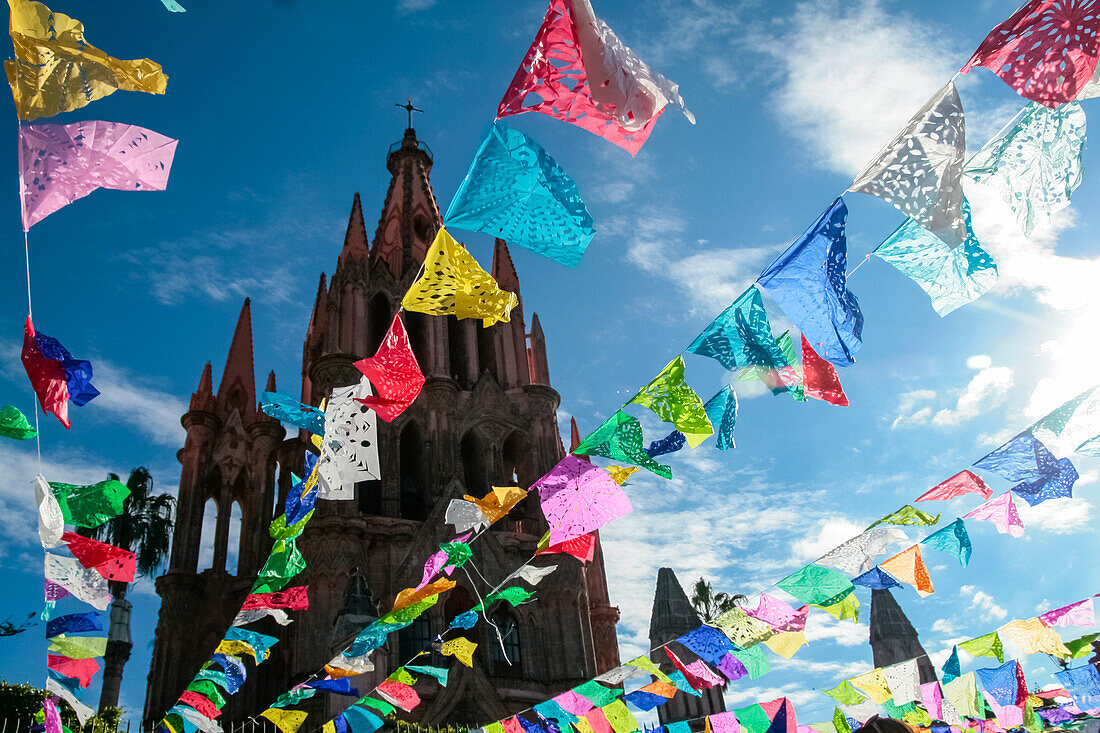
[{"x": 284, "y": 110}]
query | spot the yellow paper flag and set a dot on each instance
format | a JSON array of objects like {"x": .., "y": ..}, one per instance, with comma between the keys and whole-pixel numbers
[
  {"x": 874, "y": 685},
  {"x": 908, "y": 567},
  {"x": 56, "y": 70},
  {"x": 410, "y": 596},
  {"x": 461, "y": 649},
  {"x": 288, "y": 721},
  {"x": 498, "y": 502},
  {"x": 236, "y": 648},
  {"x": 620, "y": 474},
  {"x": 454, "y": 283},
  {"x": 787, "y": 643},
  {"x": 1034, "y": 637}
]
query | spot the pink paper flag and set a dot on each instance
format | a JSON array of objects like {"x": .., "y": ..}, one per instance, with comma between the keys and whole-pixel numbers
[
  {"x": 59, "y": 164},
  {"x": 779, "y": 615},
  {"x": 1081, "y": 613},
  {"x": 578, "y": 497},
  {"x": 1002, "y": 513},
  {"x": 576, "y": 704},
  {"x": 705, "y": 674},
  {"x": 1047, "y": 50},
  {"x": 78, "y": 669},
  {"x": 552, "y": 80},
  {"x": 932, "y": 697},
  {"x": 598, "y": 721},
  {"x": 963, "y": 482},
  {"x": 399, "y": 694},
  {"x": 725, "y": 723},
  {"x": 53, "y": 717},
  {"x": 694, "y": 681},
  {"x": 511, "y": 725}
]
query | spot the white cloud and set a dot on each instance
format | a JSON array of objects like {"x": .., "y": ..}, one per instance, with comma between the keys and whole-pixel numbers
[
  {"x": 134, "y": 400},
  {"x": 986, "y": 388},
  {"x": 908, "y": 413},
  {"x": 1057, "y": 516},
  {"x": 823, "y": 627},
  {"x": 984, "y": 602},
  {"x": 979, "y": 361},
  {"x": 405, "y": 7},
  {"x": 824, "y": 536}
]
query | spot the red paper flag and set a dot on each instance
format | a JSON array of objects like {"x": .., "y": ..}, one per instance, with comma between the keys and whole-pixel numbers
[
  {"x": 394, "y": 373},
  {"x": 552, "y": 80},
  {"x": 583, "y": 548},
  {"x": 47, "y": 377},
  {"x": 963, "y": 482},
  {"x": 78, "y": 669},
  {"x": 292, "y": 599},
  {"x": 696, "y": 682},
  {"x": 820, "y": 377},
  {"x": 1046, "y": 51},
  {"x": 398, "y": 694},
  {"x": 202, "y": 703},
  {"x": 113, "y": 563}
]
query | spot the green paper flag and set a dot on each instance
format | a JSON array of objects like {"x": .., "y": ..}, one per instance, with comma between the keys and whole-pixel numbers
[
  {"x": 457, "y": 553},
  {"x": 283, "y": 564},
  {"x": 206, "y": 688},
  {"x": 909, "y": 514},
  {"x": 380, "y": 705},
  {"x": 845, "y": 694},
  {"x": 672, "y": 400},
  {"x": 985, "y": 646},
  {"x": 840, "y": 722},
  {"x": 815, "y": 584},
  {"x": 14, "y": 424},
  {"x": 754, "y": 661},
  {"x": 1082, "y": 647},
  {"x": 754, "y": 719},
  {"x": 620, "y": 439},
  {"x": 90, "y": 506}
]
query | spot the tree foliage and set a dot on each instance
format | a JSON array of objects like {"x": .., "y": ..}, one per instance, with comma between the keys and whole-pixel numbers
[{"x": 710, "y": 605}]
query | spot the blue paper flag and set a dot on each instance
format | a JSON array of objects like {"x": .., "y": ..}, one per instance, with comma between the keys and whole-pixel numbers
[
  {"x": 549, "y": 725},
  {"x": 529, "y": 727},
  {"x": 952, "y": 276},
  {"x": 952, "y": 539},
  {"x": 465, "y": 620},
  {"x": 340, "y": 724},
  {"x": 741, "y": 336},
  {"x": 371, "y": 638},
  {"x": 360, "y": 720},
  {"x": 644, "y": 701},
  {"x": 78, "y": 373},
  {"x": 260, "y": 642},
  {"x": 71, "y": 684},
  {"x": 1083, "y": 683},
  {"x": 234, "y": 671},
  {"x": 298, "y": 502},
  {"x": 73, "y": 623},
  {"x": 1056, "y": 484},
  {"x": 876, "y": 579},
  {"x": 779, "y": 722},
  {"x": 289, "y": 410},
  {"x": 681, "y": 683},
  {"x": 708, "y": 643},
  {"x": 1000, "y": 682},
  {"x": 517, "y": 192},
  {"x": 810, "y": 284},
  {"x": 555, "y": 712},
  {"x": 721, "y": 410},
  {"x": 1024, "y": 458},
  {"x": 952, "y": 668},
  {"x": 671, "y": 443},
  {"x": 341, "y": 686}
]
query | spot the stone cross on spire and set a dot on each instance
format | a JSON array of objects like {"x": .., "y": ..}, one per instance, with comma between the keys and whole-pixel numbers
[{"x": 408, "y": 107}]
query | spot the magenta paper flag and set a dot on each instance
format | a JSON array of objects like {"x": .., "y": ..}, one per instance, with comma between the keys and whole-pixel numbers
[
  {"x": 578, "y": 497},
  {"x": 1002, "y": 513},
  {"x": 578, "y": 71},
  {"x": 779, "y": 615},
  {"x": 932, "y": 697},
  {"x": 59, "y": 164},
  {"x": 1081, "y": 613},
  {"x": 963, "y": 482}
]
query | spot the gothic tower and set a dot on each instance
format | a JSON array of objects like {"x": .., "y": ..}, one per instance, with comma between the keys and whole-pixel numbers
[
  {"x": 486, "y": 416},
  {"x": 893, "y": 638},
  {"x": 674, "y": 616}
]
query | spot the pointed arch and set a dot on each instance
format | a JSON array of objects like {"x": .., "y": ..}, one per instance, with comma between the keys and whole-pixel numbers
[
  {"x": 418, "y": 327},
  {"x": 379, "y": 315},
  {"x": 459, "y": 601},
  {"x": 206, "y": 534},
  {"x": 236, "y": 538},
  {"x": 475, "y": 474},
  {"x": 487, "y": 357},
  {"x": 504, "y": 654},
  {"x": 413, "y": 473}
]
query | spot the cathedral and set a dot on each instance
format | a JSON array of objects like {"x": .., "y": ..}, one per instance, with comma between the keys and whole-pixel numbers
[{"x": 486, "y": 416}]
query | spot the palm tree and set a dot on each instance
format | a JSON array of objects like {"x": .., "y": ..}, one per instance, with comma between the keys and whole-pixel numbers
[
  {"x": 710, "y": 605},
  {"x": 145, "y": 528}
]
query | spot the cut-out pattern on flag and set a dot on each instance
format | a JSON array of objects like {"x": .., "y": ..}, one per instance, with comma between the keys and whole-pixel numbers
[
  {"x": 671, "y": 443},
  {"x": 741, "y": 336},
  {"x": 394, "y": 373},
  {"x": 1021, "y": 459},
  {"x": 779, "y": 615},
  {"x": 113, "y": 563},
  {"x": 620, "y": 439},
  {"x": 989, "y": 645},
  {"x": 673, "y": 401},
  {"x": 290, "y": 410},
  {"x": 858, "y": 554},
  {"x": 515, "y": 191},
  {"x": 578, "y": 71},
  {"x": 819, "y": 377},
  {"x": 56, "y": 69},
  {"x": 1081, "y": 613},
  {"x": 814, "y": 584},
  {"x": 349, "y": 449},
  {"x": 904, "y": 681},
  {"x": 952, "y": 539},
  {"x": 873, "y": 684},
  {"x": 1036, "y": 166},
  {"x": 909, "y": 515},
  {"x": 1034, "y": 637},
  {"x": 876, "y": 579},
  {"x": 1073, "y": 427},
  {"x": 1002, "y": 513},
  {"x": 809, "y": 282},
  {"x": 90, "y": 506},
  {"x": 59, "y": 164},
  {"x": 908, "y": 567},
  {"x": 453, "y": 283},
  {"x": 845, "y": 694},
  {"x": 1000, "y": 682},
  {"x": 1083, "y": 683},
  {"x": 1046, "y": 50},
  {"x": 920, "y": 170},
  {"x": 962, "y": 483},
  {"x": 741, "y": 628},
  {"x": 952, "y": 276},
  {"x": 952, "y": 668},
  {"x": 721, "y": 410},
  {"x": 578, "y": 498},
  {"x": 1056, "y": 483}
]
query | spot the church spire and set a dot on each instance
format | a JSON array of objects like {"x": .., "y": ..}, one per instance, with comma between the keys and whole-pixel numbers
[
  {"x": 410, "y": 216},
  {"x": 355, "y": 240},
  {"x": 504, "y": 270},
  {"x": 203, "y": 397},
  {"x": 893, "y": 638},
  {"x": 537, "y": 365},
  {"x": 238, "y": 384}
]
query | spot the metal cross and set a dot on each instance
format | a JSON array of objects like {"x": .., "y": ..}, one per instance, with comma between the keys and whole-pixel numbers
[{"x": 408, "y": 107}]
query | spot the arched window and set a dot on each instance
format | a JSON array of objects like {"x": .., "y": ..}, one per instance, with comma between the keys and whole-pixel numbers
[
  {"x": 518, "y": 469},
  {"x": 206, "y": 536},
  {"x": 487, "y": 351},
  {"x": 459, "y": 601},
  {"x": 505, "y": 651},
  {"x": 417, "y": 325},
  {"x": 379, "y": 319},
  {"x": 234, "y": 554},
  {"x": 457, "y": 355},
  {"x": 414, "y": 638},
  {"x": 413, "y": 474},
  {"x": 474, "y": 472}
]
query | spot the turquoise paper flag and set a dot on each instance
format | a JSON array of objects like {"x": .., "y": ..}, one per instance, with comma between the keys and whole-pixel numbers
[
  {"x": 952, "y": 539},
  {"x": 952, "y": 276},
  {"x": 722, "y": 411},
  {"x": 620, "y": 439},
  {"x": 1036, "y": 166},
  {"x": 516, "y": 191},
  {"x": 741, "y": 336}
]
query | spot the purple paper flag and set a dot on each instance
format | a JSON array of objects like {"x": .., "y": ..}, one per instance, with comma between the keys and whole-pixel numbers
[
  {"x": 578, "y": 497},
  {"x": 59, "y": 164}
]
